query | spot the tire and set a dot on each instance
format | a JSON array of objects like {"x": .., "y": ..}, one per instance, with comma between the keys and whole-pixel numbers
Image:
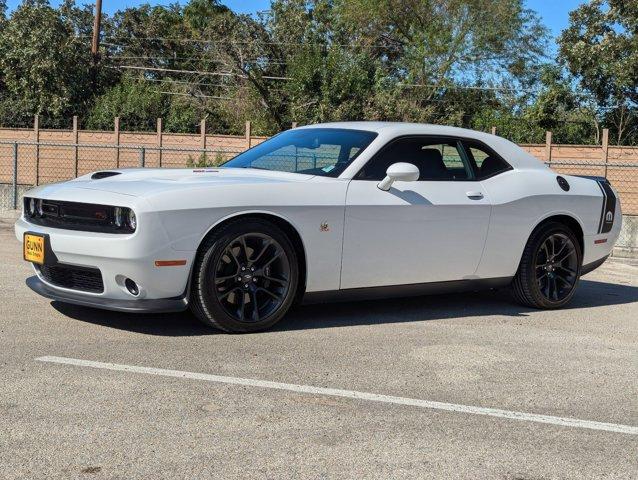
[
  {"x": 237, "y": 287},
  {"x": 541, "y": 280}
]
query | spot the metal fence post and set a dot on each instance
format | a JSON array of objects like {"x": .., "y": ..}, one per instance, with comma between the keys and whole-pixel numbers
[
  {"x": 249, "y": 134},
  {"x": 605, "y": 148},
  {"x": 15, "y": 175},
  {"x": 202, "y": 133},
  {"x": 36, "y": 134},
  {"x": 159, "y": 142},
  {"x": 116, "y": 133},
  {"x": 75, "y": 147},
  {"x": 142, "y": 157}
]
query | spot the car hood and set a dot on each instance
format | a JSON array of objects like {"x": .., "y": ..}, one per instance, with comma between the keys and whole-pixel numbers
[{"x": 140, "y": 182}]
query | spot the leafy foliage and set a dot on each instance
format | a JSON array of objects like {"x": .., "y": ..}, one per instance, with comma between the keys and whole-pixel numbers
[
  {"x": 45, "y": 66},
  {"x": 471, "y": 63},
  {"x": 205, "y": 160},
  {"x": 136, "y": 103},
  {"x": 600, "y": 48}
]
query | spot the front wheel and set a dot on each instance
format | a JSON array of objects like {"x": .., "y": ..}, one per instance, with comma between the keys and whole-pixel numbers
[
  {"x": 245, "y": 277},
  {"x": 550, "y": 267}
]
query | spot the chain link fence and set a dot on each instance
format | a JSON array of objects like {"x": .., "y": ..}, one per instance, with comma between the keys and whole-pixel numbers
[
  {"x": 26, "y": 164},
  {"x": 623, "y": 177}
]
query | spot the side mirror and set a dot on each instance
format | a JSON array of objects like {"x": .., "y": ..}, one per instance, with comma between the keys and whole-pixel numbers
[{"x": 403, "y": 172}]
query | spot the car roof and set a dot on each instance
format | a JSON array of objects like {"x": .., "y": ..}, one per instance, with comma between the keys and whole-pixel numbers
[
  {"x": 400, "y": 127},
  {"x": 512, "y": 153}
]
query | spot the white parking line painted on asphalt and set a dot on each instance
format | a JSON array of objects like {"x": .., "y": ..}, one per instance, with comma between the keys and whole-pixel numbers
[{"x": 335, "y": 392}]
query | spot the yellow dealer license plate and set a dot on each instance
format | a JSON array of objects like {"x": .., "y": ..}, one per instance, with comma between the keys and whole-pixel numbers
[{"x": 33, "y": 248}]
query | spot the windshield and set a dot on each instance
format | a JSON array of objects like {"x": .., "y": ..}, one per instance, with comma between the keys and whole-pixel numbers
[{"x": 313, "y": 151}]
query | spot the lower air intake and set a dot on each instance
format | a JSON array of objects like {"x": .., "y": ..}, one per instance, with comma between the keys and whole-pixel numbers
[{"x": 84, "y": 279}]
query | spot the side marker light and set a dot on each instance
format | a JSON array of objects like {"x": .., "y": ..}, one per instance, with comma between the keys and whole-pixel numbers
[{"x": 169, "y": 263}]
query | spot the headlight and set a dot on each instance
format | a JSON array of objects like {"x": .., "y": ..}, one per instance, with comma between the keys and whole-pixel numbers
[
  {"x": 119, "y": 217},
  {"x": 31, "y": 207},
  {"x": 124, "y": 219},
  {"x": 132, "y": 220}
]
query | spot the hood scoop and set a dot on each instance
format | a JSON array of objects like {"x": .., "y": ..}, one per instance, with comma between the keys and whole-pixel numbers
[{"x": 100, "y": 175}]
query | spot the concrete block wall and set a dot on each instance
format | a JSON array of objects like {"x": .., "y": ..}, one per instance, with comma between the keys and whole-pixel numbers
[{"x": 627, "y": 244}]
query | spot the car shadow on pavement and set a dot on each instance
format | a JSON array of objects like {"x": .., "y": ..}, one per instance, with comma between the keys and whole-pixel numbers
[
  {"x": 181, "y": 324},
  {"x": 344, "y": 314},
  {"x": 439, "y": 307}
]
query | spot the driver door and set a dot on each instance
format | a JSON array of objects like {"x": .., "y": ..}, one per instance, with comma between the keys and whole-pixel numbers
[{"x": 430, "y": 230}]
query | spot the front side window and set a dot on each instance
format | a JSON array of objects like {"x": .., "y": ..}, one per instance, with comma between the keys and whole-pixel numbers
[
  {"x": 436, "y": 159},
  {"x": 313, "y": 151}
]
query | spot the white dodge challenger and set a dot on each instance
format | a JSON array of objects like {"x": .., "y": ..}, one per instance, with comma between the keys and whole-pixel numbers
[{"x": 345, "y": 210}]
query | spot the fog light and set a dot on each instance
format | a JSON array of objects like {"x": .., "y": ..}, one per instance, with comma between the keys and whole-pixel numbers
[{"x": 132, "y": 287}]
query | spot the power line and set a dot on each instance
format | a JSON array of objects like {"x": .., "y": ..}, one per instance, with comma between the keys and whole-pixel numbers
[
  {"x": 182, "y": 82},
  {"x": 466, "y": 87},
  {"x": 270, "y": 77},
  {"x": 246, "y": 42},
  {"x": 197, "y": 72},
  {"x": 177, "y": 57},
  {"x": 193, "y": 95}
]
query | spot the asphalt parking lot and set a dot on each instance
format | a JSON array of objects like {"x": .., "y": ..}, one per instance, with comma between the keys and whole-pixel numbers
[{"x": 445, "y": 366}]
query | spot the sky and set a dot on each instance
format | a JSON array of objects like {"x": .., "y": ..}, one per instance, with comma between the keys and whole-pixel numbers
[{"x": 554, "y": 13}]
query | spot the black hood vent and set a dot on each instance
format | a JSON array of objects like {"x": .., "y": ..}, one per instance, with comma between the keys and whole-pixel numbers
[{"x": 100, "y": 175}]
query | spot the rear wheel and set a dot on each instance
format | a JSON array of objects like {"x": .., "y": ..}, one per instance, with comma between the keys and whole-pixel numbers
[
  {"x": 245, "y": 277},
  {"x": 550, "y": 267}
]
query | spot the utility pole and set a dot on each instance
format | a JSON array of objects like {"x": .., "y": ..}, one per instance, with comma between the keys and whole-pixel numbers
[{"x": 95, "y": 44}]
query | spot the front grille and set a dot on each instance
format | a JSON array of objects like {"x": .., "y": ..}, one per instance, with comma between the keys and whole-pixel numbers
[
  {"x": 87, "y": 217},
  {"x": 84, "y": 279}
]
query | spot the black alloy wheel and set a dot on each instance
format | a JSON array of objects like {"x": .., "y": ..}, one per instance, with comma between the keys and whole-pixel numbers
[
  {"x": 556, "y": 267},
  {"x": 550, "y": 267},
  {"x": 252, "y": 277},
  {"x": 245, "y": 276}
]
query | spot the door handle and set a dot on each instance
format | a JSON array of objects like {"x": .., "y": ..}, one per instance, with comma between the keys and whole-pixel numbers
[{"x": 474, "y": 195}]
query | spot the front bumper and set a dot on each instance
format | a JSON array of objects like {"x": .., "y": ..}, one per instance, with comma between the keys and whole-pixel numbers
[
  {"x": 176, "y": 304},
  {"x": 117, "y": 257}
]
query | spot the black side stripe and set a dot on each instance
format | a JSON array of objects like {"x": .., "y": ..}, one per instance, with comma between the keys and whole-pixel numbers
[
  {"x": 610, "y": 208},
  {"x": 602, "y": 209}
]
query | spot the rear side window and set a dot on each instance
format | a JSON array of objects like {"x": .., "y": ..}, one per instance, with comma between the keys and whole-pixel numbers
[
  {"x": 436, "y": 159},
  {"x": 486, "y": 162}
]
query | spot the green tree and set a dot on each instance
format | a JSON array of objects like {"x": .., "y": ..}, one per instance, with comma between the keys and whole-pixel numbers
[
  {"x": 470, "y": 63},
  {"x": 429, "y": 45},
  {"x": 566, "y": 112},
  {"x": 44, "y": 65},
  {"x": 166, "y": 48},
  {"x": 401, "y": 60},
  {"x": 136, "y": 102},
  {"x": 600, "y": 47},
  {"x": 249, "y": 65},
  {"x": 328, "y": 80}
]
